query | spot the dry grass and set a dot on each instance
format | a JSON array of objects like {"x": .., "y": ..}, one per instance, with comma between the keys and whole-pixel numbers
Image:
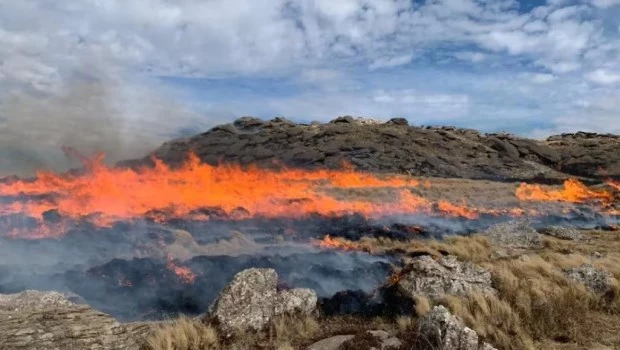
[
  {"x": 536, "y": 307},
  {"x": 183, "y": 334},
  {"x": 422, "y": 305},
  {"x": 474, "y": 248}
]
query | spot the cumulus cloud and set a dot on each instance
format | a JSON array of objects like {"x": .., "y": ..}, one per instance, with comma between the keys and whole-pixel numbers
[
  {"x": 102, "y": 60},
  {"x": 597, "y": 115},
  {"x": 541, "y": 78},
  {"x": 474, "y": 57},
  {"x": 603, "y": 77},
  {"x": 605, "y": 3}
]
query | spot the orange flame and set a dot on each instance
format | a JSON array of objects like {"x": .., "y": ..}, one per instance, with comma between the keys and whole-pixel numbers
[
  {"x": 103, "y": 195},
  {"x": 185, "y": 274},
  {"x": 614, "y": 184},
  {"x": 573, "y": 191},
  {"x": 456, "y": 210},
  {"x": 328, "y": 242}
]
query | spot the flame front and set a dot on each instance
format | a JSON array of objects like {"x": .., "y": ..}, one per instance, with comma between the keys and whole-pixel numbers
[
  {"x": 573, "y": 191},
  {"x": 185, "y": 274},
  {"x": 614, "y": 184},
  {"x": 104, "y": 195},
  {"x": 328, "y": 242}
]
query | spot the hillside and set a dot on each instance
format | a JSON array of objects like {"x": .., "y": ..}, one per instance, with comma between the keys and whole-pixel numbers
[{"x": 397, "y": 147}]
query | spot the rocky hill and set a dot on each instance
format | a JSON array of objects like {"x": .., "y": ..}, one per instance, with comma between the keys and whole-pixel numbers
[{"x": 397, "y": 147}]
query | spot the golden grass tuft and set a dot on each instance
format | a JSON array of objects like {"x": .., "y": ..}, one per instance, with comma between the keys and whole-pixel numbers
[
  {"x": 405, "y": 323},
  {"x": 474, "y": 248},
  {"x": 422, "y": 305},
  {"x": 290, "y": 329},
  {"x": 183, "y": 334}
]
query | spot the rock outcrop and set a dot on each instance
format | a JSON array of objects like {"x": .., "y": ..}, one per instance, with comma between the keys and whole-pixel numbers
[
  {"x": 514, "y": 234},
  {"x": 251, "y": 300},
  {"x": 598, "y": 281},
  {"x": 33, "y": 301},
  {"x": 331, "y": 343},
  {"x": 48, "y": 321},
  {"x": 396, "y": 147},
  {"x": 441, "y": 330},
  {"x": 587, "y": 154},
  {"x": 562, "y": 232},
  {"x": 447, "y": 275}
]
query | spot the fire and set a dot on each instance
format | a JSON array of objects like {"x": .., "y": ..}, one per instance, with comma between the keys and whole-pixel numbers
[
  {"x": 185, "y": 274},
  {"x": 329, "y": 242},
  {"x": 614, "y": 184},
  {"x": 573, "y": 191},
  {"x": 103, "y": 195},
  {"x": 456, "y": 210}
]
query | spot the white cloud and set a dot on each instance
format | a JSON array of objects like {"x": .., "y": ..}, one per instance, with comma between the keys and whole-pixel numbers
[
  {"x": 603, "y": 77},
  {"x": 390, "y": 62},
  {"x": 474, "y": 57},
  {"x": 320, "y": 76},
  {"x": 541, "y": 78},
  {"x": 605, "y": 3},
  {"x": 335, "y": 51},
  {"x": 596, "y": 115},
  {"x": 381, "y": 103}
]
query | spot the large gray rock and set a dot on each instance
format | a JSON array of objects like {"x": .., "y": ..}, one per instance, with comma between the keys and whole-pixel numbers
[
  {"x": 433, "y": 278},
  {"x": 599, "y": 281},
  {"x": 562, "y": 232},
  {"x": 33, "y": 300},
  {"x": 251, "y": 300},
  {"x": 332, "y": 343},
  {"x": 295, "y": 300},
  {"x": 386, "y": 341},
  {"x": 514, "y": 234},
  {"x": 439, "y": 329},
  {"x": 48, "y": 321}
]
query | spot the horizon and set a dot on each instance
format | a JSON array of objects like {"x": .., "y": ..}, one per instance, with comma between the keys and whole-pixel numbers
[{"x": 124, "y": 77}]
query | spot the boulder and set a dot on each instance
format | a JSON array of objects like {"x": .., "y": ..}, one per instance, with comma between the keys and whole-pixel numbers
[
  {"x": 599, "y": 281},
  {"x": 251, "y": 300},
  {"x": 49, "y": 321},
  {"x": 33, "y": 301},
  {"x": 343, "y": 119},
  {"x": 332, "y": 343},
  {"x": 386, "y": 341},
  {"x": 399, "y": 121},
  {"x": 439, "y": 329},
  {"x": 433, "y": 278},
  {"x": 562, "y": 232},
  {"x": 504, "y": 147},
  {"x": 295, "y": 300},
  {"x": 514, "y": 234}
]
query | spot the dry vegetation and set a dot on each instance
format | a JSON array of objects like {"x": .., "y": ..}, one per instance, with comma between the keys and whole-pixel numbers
[{"x": 537, "y": 306}]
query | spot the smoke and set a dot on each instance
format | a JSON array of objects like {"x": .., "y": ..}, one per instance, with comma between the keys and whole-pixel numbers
[{"x": 122, "y": 119}]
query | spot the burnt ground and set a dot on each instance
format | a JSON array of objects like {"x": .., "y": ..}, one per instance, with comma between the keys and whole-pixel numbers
[{"x": 122, "y": 270}]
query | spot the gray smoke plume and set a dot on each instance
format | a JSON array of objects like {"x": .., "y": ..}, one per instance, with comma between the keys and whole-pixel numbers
[{"x": 123, "y": 120}]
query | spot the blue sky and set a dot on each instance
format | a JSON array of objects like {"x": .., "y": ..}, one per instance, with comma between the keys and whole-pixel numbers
[{"x": 145, "y": 70}]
